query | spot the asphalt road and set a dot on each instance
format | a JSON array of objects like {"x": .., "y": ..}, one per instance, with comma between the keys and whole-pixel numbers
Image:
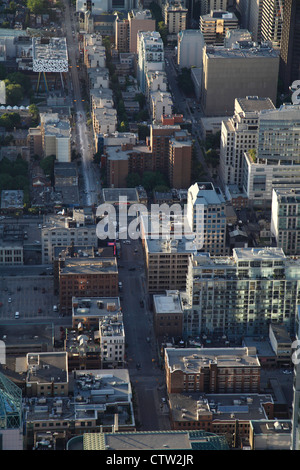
[
  {"x": 83, "y": 136},
  {"x": 147, "y": 378}
]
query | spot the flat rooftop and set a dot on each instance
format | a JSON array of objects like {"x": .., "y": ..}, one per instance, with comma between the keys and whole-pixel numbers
[
  {"x": 89, "y": 266},
  {"x": 248, "y": 52},
  {"x": 221, "y": 407},
  {"x": 95, "y": 306},
  {"x": 255, "y": 103},
  {"x": 169, "y": 303},
  {"x": 192, "y": 359},
  {"x": 47, "y": 367},
  {"x": 49, "y": 54},
  {"x": 112, "y": 195}
]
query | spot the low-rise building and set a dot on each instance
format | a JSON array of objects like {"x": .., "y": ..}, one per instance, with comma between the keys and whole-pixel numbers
[
  {"x": 212, "y": 370},
  {"x": 86, "y": 277}
]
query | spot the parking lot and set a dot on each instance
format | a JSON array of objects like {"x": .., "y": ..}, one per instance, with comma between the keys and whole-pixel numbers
[{"x": 32, "y": 297}]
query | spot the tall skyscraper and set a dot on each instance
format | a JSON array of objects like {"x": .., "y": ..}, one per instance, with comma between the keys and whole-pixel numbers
[
  {"x": 271, "y": 21},
  {"x": 290, "y": 44}
]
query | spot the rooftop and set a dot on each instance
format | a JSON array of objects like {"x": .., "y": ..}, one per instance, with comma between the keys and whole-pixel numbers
[
  {"x": 222, "y": 407},
  {"x": 169, "y": 303},
  {"x": 88, "y": 266},
  {"x": 96, "y": 306},
  {"x": 243, "y": 51},
  {"x": 47, "y": 367},
  {"x": 193, "y": 359}
]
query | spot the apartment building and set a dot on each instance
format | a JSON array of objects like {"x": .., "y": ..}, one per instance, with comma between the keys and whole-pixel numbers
[
  {"x": 104, "y": 121},
  {"x": 80, "y": 277},
  {"x": 175, "y": 16},
  {"x": 180, "y": 160},
  {"x": 241, "y": 295},
  {"x": 139, "y": 20},
  {"x": 275, "y": 162},
  {"x": 93, "y": 51},
  {"x": 58, "y": 230},
  {"x": 207, "y": 218},
  {"x": 190, "y": 43},
  {"x": 161, "y": 104},
  {"x": 239, "y": 133},
  {"x": 251, "y": 70},
  {"x": 97, "y": 78},
  {"x": 215, "y": 25},
  {"x": 159, "y": 144},
  {"x": 212, "y": 370},
  {"x": 155, "y": 81},
  {"x": 207, "y": 5},
  {"x": 56, "y": 136},
  {"x": 289, "y": 48},
  {"x": 295, "y": 438},
  {"x": 150, "y": 55},
  {"x": 122, "y": 35},
  {"x": 285, "y": 219}
]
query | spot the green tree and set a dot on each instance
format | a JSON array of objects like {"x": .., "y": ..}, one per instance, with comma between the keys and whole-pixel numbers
[
  {"x": 14, "y": 93},
  {"x": 133, "y": 180},
  {"x": 36, "y": 6}
]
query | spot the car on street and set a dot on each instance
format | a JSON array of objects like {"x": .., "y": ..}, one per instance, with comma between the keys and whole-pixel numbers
[{"x": 9, "y": 300}]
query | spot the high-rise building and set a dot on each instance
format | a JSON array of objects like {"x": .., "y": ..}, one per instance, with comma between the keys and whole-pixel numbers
[
  {"x": 207, "y": 218},
  {"x": 239, "y": 134},
  {"x": 271, "y": 21},
  {"x": 190, "y": 44},
  {"x": 241, "y": 295},
  {"x": 290, "y": 44},
  {"x": 215, "y": 25},
  {"x": 150, "y": 55},
  {"x": 248, "y": 70},
  {"x": 122, "y": 35},
  {"x": 285, "y": 221},
  {"x": 207, "y": 5},
  {"x": 175, "y": 16},
  {"x": 295, "y": 437},
  {"x": 139, "y": 20},
  {"x": 276, "y": 160}
]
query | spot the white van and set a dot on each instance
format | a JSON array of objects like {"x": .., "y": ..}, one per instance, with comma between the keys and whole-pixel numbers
[{"x": 17, "y": 315}]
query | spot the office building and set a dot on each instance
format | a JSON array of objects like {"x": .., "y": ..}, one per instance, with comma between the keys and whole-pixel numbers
[
  {"x": 290, "y": 44},
  {"x": 275, "y": 162},
  {"x": 241, "y": 295},
  {"x": 239, "y": 134},
  {"x": 215, "y": 25},
  {"x": 285, "y": 221},
  {"x": 271, "y": 21},
  {"x": 139, "y": 20},
  {"x": 251, "y": 71},
  {"x": 175, "y": 16},
  {"x": 79, "y": 277},
  {"x": 212, "y": 370},
  {"x": 167, "y": 263},
  {"x": 150, "y": 55},
  {"x": 207, "y": 218},
  {"x": 190, "y": 43}
]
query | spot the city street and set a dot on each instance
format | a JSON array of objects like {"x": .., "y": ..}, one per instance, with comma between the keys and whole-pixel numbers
[
  {"x": 83, "y": 137},
  {"x": 147, "y": 377}
]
